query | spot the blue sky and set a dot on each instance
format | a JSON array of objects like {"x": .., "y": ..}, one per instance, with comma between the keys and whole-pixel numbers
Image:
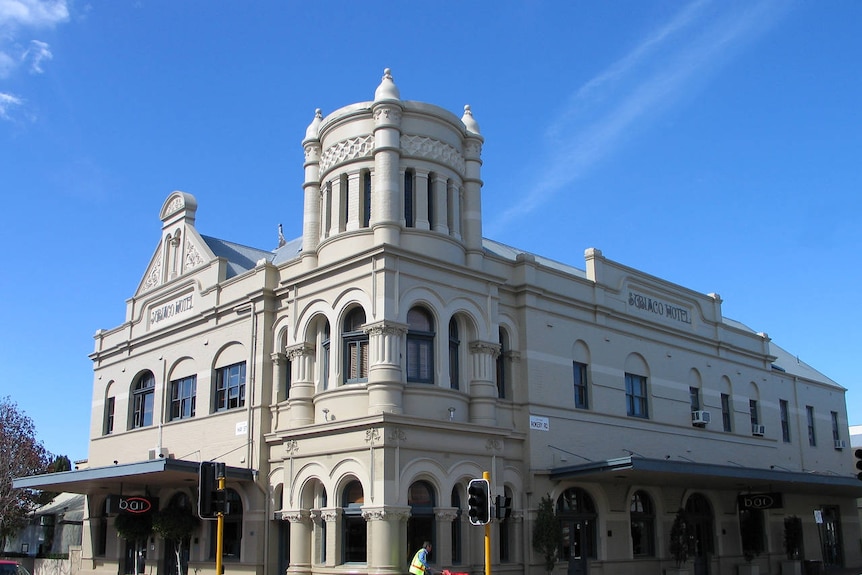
[{"x": 716, "y": 144}]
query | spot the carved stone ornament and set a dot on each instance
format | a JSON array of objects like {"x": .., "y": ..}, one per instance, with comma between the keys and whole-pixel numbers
[
  {"x": 485, "y": 347},
  {"x": 397, "y": 434},
  {"x": 388, "y": 113},
  {"x": 291, "y": 446},
  {"x": 372, "y": 436},
  {"x": 493, "y": 445},
  {"x": 193, "y": 258},
  {"x": 386, "y": 514},
  {"x": 154, "y": 278},
  {"x": 295, "y": 352},
  {"x": 351, "y": 149},
  {"x": 434, "y": 150},
  {"x": 176, "y": 205},
  {"x": 449, "y": 514},
  {"x": 296, "y": 516},
  {"x": 386, "y": 329}
]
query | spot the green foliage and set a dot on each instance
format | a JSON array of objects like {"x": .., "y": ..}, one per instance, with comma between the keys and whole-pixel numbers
[
  {"x": 60, "y": 463},
  {"x": 20, "y": 456},
  {"x": 793, "y": 537},
  {"x": 547, "y": 532},
  {"x": 134, "y": 526},
  {"x": 176, "y": 524},
  {"x": 681, "y": 538}
]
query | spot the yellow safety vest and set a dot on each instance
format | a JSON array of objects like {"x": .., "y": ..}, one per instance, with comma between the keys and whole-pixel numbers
[{"x": 416, "y": 566}]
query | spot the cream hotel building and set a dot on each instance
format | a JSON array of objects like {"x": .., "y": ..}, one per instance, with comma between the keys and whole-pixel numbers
[{"x": 355, "y": 379}]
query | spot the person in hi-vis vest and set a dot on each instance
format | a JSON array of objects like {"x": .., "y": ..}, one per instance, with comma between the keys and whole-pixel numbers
[{"x": 419, "y": 564}]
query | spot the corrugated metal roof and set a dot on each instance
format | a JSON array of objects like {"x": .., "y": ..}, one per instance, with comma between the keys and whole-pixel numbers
[
  {"x": 511, "y": 254},
  {"x": 240, "y": 258}
]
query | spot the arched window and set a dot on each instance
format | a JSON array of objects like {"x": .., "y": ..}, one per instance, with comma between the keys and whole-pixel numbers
[
  {"x": 454, "y": 355},
  {"x": 420, "y": 347},
  {"x": 232, "y": 533},
  {"x": 143, "y": 400},
  {"x": 642, "y": 525},
  {"x": 354, "y": 533},
  {"x": 700, "y": 514},
  {"x": 110, "y": 405},
  {"x": 577, "y": 514},
  {"x": 355, "y": 342},
  {"x": 324, "y": 357},
  {"x": 420, "y": 525},
  {"x": 409, "y": 219},
  {"x": 502, "y": 364},
  {"x": 456, "y": 526},
  {"x": 366, "y": 198}
]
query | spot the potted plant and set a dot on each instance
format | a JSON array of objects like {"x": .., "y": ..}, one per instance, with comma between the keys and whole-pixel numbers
[
  {"x": 176, "y": 525},
  {"x": 547, "y": 533},
  {"x": 792, "y": 546},
  {"x": 135, "y": 528},
  {"x": 681, "y": 542}
]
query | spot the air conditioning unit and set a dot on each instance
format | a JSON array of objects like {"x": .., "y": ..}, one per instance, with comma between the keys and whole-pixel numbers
[
  {"x": 700, "y": 418},
  {"x": 758, "y": 430},
  {"x": 157, "y": 453},
  {"x": 840, "y": 444}
]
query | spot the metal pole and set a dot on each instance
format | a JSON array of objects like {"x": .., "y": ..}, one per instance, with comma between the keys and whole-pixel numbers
[{"x": 487, "y": 476}]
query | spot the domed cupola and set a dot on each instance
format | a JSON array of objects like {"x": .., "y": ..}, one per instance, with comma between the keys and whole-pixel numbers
[{"x": 393, "y": 172}]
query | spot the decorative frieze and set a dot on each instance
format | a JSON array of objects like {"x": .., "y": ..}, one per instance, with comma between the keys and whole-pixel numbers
[
  {"x": 193, "y": 258},
  {"x": 350, "y": 149},
  {"x": 154, "y": 278},
  {"x": 434, "y": 150}
]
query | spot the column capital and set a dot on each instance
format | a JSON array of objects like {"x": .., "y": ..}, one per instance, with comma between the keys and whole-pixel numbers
[
  {"x": 387, "y": 513},
  {"x": 296, "y": 515},
  {"x": 299, "y": 350}
]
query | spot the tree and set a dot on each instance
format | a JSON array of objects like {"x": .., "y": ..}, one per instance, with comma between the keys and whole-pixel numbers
[
  {"x": 793, "y": 537},
  {"x": 20, "y": 456},
  {"x": 176, "y": 523},
  {"x": 547, "y": 532},
  {"x": 60, "y": 463},
  {"x": 751, "y": 533},
  {"x": 681, "y": 538}
]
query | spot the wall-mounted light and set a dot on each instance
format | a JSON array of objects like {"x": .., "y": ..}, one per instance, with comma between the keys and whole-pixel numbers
[
  {"x": 325, "y": 414},
  {"x": 451, "y": 414}
]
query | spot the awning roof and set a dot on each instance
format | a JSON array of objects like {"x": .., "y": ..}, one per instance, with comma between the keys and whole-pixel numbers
[
  {"x": 156, "y": 472},
  {"x": 648, "y": 471}
]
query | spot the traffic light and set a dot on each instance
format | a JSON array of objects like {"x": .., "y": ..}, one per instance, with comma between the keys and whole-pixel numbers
[
  {"x": 858, "y": 453},
  {"x": 211, "y": 499},
  {"x": 479, "y": 501}
]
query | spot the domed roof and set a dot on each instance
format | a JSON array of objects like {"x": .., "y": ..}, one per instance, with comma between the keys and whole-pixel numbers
[
  {"x": 312, "y": 132},
  {"x": 469, "y": 122},
  {"x": 387, "y": 90}
]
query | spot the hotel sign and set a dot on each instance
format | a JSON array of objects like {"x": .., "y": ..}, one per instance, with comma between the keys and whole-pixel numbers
[
  {"x": 171, "y": 311},
  {"x": 659, "y": 308}
]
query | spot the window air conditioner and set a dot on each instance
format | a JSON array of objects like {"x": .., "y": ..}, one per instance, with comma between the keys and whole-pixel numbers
[
  {"x": 157, "y": 453},
  {"x": 840, "y": 444},
  {"x": 758, "y": 430},
  {"x": 700, "y": 418}
]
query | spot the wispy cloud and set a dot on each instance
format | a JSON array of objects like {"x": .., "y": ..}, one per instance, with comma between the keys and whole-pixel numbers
[
  {"x": 666, "y": 65},
  {"x": 18, "y": 20}
]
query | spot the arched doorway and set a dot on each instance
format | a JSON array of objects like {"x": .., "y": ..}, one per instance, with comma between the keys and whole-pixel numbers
[
  {"x": 577, "y": 513},
  {"x": 700, "y": 513},
  {"x": 421, "y": 526}
]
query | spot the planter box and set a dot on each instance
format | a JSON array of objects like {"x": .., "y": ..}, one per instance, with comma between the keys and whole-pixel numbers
[{"x": 791, "y": 567}]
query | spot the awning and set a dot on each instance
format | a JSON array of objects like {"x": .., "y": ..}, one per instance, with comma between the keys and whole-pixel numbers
[
  {"x": 648, "y": 471},
  {"x": 126, "y": 476}
]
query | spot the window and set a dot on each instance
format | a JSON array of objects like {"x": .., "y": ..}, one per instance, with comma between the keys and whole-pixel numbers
[
  {"x": 354, "y": 533},
  {"x": 109, "y": 416},
  {"x": 408, "y": 203},
  {"x": 502, "y": 364},
  {"x": 836, "y": 435},
  {"x": 505, "y": 531},
  {"x": 636, "y": 395},
  {"x": 325, "y": 357},
  {"x": 456, "y": 527},
  {"x": 754, "y": 413},
  {"x": 142, "y": 401},
  {"x": 785, "y": 420},
  {"x": 580, "y": 379},
  {"x": 726, "y": 418},
  {"x": 183, "y": 393},
  {"x": 454, "y": 355},
  {"x": 812, "y": 438},
  {"x": 642, "y": 525},
  {"x": 694, "y": 398},
  {"x": 230, "y": 387},
  {"x": 420, "y": 347},
  {"x": 421, "y": 524},
  {"x": 355, "y": 347},
  {"x": 366, "y": 198}
]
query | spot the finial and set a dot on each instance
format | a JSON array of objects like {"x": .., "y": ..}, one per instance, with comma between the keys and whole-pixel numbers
[
  {"x": 311, "y": 133},
  {"x": 281, "y": 240},
  {"x": 387, "y": 90},
  {"x": 470, "y": 122}
]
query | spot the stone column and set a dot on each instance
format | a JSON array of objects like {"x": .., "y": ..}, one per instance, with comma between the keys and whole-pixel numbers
[
  {"x": 441, "y": 207},
  {"x": 301, "y": 400},
  {"x": 311, "y": 186},
  {"x": 454, "y": 194},
  {"x": 336, "y": 222},
  {"x": 445, "y": 516},
  {"x": 385, "y": 387},
  {"x": 278, "y": 408},
  {"x": 472, "y": 216},
  {"x": 332, "y": 517},
  {"x": 300, "y": 541},
  {"x": 354, "y": 190},
  {"x": 483, "y": 390},
  {"x": 386, "y": 196},
  {"x": 387, "y": 538},
  {"x": 423, "y": 210}
]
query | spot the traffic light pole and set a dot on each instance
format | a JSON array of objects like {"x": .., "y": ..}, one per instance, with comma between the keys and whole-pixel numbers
[
  {"x": 487, "y": 476},
  {"x": 220, "y": 530}
]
